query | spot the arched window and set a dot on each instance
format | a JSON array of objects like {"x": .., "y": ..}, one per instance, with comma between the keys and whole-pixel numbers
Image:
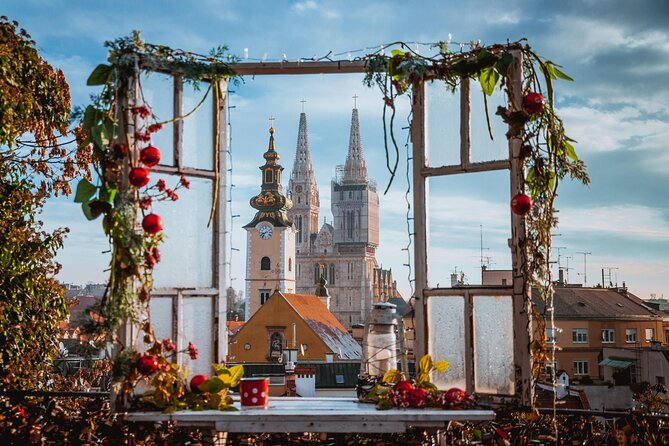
[
  {"x": 268, "y": 176},
  {"x": 316, "y": 273},
  {"x": 265, "y": 264},
  {"x": 332, "y": 274},
  {"x": 299, "y": 228},
  {"x": 290, "y": 264}
]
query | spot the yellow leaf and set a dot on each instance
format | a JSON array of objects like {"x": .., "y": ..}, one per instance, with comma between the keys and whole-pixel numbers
[
  {"x": 441, "y": 366},
  {"x": 426, "y": 364},
  {"x": 392, "y": 376}
]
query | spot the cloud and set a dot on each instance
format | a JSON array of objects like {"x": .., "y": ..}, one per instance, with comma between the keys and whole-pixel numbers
[
  {"x": 308, "y": 6},
  {"x": 628, "y": 221}
]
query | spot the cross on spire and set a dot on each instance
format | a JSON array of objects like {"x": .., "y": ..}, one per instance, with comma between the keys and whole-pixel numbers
[
  {"x": 271, "y": 121},
  {"x": 355, "y": 101},
  {"x": 303, "y": 101}
]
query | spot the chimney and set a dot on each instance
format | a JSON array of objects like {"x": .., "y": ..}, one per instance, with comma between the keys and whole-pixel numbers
[
  {"x": 454, "y": 280},
  {"x": 561, "y": 277}
]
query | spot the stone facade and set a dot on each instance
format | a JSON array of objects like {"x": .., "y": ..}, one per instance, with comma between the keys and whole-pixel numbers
[{"x": 343, "y": 252}]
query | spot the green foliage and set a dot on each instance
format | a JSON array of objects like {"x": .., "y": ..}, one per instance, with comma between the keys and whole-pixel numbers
[{"x": 31, "y": 301}]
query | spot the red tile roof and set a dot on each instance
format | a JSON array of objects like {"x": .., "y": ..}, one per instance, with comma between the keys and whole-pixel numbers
[{"x": 324, "y": 324}]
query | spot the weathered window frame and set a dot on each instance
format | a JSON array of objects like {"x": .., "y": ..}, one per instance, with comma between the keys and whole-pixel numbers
[{"x": 518, "y": 291}]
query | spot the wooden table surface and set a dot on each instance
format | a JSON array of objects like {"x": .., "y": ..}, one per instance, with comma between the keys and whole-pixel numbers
[{"x": 292, "y": 414}]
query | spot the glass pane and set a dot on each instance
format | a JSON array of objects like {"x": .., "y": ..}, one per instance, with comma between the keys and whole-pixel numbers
[
  {"x": 198, "y": 141},
  {"x": 158, "y": 92},
  {"x": 443, "y": 125},
  {"x": 469, "y": 227},
  {"x": 493, "y": 345},
  {"x": 161, "y": 316},
  {"x": 198, "y": 328},
  {"x": 187, "y": 249},
  {"x": 446, "y": 338}
]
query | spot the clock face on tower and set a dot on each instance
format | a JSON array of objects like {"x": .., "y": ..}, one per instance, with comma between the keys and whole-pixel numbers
[{"x": 264, "y": 230}]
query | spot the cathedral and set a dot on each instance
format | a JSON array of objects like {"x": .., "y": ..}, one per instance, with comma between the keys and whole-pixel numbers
[
  {"x": 344, "y": 252},
  {"x": 287, "y": 249}
]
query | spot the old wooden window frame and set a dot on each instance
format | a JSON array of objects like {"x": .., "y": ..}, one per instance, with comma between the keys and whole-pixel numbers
[{"x": 518, "y": 291}]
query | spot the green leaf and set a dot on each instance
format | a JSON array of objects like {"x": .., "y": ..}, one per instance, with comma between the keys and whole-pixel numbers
[
  {"x": 90, "y": 214},
  {"x": 107, "y": 193},
  {"x": 213, "y": 385},
  {"x": 236, "y": 374},
  {"x": 85, "y": 191},
  {"x": 556, "y": 72},
  {"x": 502, "y": 65},
  {"x": 100, "y": 75},
  {"x": 569, "y": 151},
  {"x": 488, "y": 79},
  {"x": 384, "y": 404},
  {"x": 90, "y": 117},
  {"x": 397, "y": 53}
]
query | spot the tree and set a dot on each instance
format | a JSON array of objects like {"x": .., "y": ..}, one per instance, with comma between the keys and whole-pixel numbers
[{"x": 35, "y": 105}]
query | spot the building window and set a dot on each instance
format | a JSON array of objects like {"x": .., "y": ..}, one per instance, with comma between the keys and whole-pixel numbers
[
  {"x": 265, "y": 264},
  {"x": 548, "y": 368},
  {"x": 608, "y": 336},
  {"x": 299, "y": 228},
  {"x": 650, "y": 334},
  {"x": 332, "y": 274},
  {"x": 551, "y": 335},
  {"x": 290, "y": 264},
  {"x": 268, "y": 176},
  {"x": 299, "y": 270},
  {"x": 579, "y": 335},
  {"x": 276, "y": 346},
  {"x": 316, "y": 273},
  {"x": 264, "y": 295},
  {"x": 630, "y": 335},
  {"x": 581, "y": 368},
  {"x": 666, "y": 336}
]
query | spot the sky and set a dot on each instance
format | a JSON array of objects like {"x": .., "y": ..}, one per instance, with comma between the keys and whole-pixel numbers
[{"x": 617, "y": 109}]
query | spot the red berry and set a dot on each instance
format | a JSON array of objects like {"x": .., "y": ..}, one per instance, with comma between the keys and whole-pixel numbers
[
  {"x": 147, "y": 365},
  {"x": 149, "y": 156},
  {"x": 139, "y": 177},
  {"x": 418, "y": 397},
  {"x": 196, "y": 381},
  {"x": 152, "y": 223},
  {"x": 521, "y": 204},
  {"x": 533, "y": 103},
  {"x": 403, "y": 386},
  {"x": 455, "y": 395}
]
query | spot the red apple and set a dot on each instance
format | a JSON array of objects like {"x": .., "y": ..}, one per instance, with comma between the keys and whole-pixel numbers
[
  {"x": 455, "y": 395},
  {"x": 418, "y": 397},
  {"x": 196, "y": 381},
  {"x": 147, "y": 365},
  {"x": 403, "y": 386},
  {"x": 533, "y": 103},
  {"x": 521, "y": 204},
  {"x": 149, "y": 156},
  {"x": 138, "y": 177},
  {"x": 152, "y": 223}
]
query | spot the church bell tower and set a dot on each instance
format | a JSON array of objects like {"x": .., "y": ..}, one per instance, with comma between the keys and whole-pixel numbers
[{"x": 270, "y": 239}]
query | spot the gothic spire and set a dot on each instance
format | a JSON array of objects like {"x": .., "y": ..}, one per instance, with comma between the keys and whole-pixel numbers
[
  {"x": 355, "y": 168},
  {"x": 302, "y": 167}
]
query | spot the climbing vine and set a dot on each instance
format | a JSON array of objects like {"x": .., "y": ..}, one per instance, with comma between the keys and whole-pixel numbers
[{"x": 118, "y": 127}]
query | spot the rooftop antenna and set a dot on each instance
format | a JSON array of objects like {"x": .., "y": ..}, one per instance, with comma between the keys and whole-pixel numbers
[
  {"x": 585, "y": 266},
  {"x": 355, "y": 101},
  {"x": 482, "y": 258},
  {"x": 608, "y": 275},
  {"x": 303, "y": 101},
  {"x": 559, "y": 256},
  {"x": 566, "y": 268}
]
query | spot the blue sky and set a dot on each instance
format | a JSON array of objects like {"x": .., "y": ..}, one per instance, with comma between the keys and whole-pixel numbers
[{"x": 617, "y": 110}]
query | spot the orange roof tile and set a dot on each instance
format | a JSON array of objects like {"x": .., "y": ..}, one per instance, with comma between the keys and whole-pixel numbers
[{"x": 324, "y": 324}]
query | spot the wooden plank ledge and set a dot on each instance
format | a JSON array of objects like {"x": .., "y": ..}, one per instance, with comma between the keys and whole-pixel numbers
[{"x": 293, "y": 414}]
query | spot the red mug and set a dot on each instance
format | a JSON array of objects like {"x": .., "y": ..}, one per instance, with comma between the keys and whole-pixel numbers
[{"x": 254, "y": 391}]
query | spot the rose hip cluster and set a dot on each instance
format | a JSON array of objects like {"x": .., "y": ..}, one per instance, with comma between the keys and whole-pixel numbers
[
  {"x": 139, "y": 176},
  {"x": 404, "y": 394}
]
